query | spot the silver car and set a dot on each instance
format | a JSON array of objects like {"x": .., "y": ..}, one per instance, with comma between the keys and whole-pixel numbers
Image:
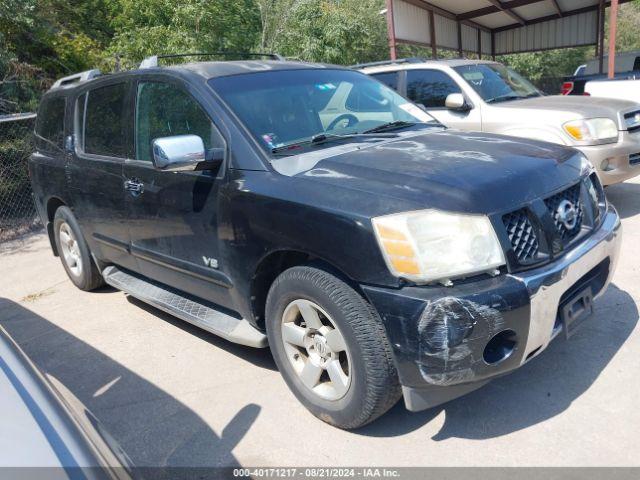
[
  {"x": 490, "y": 97},
  {"x": 46, "y": 432}
]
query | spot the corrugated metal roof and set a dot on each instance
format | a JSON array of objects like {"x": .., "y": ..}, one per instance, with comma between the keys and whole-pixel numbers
[{"x": 506, "y": 26}]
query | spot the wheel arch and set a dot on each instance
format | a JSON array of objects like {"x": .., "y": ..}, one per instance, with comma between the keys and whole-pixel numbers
[
  {"x": 53, "y": 204},
  {"x": 276, "y": 262}
]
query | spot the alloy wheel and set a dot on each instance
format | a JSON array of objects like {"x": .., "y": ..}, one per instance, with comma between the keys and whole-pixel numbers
[
  {"x": 70, "y": 249},
  {"x": 316, "y": 349}
]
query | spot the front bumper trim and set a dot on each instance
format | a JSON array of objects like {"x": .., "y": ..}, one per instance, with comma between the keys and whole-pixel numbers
[
  {"x": 533, "y": 316},
  {"x": 547, "y": 284}
]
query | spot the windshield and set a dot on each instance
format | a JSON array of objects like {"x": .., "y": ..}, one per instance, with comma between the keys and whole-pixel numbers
[
  {"x": 299, "y": 107},
  {"x": 496, "y": 83}
]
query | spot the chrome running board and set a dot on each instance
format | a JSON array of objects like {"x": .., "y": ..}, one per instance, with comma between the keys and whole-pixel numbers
[{"x": 187, "y": 308}]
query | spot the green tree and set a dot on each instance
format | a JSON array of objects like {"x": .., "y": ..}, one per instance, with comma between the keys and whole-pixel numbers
[
  {"x": 334, "y": 31},
  {"x": 164, "y": 26},
  {"x": 627, "y": 37},
  {"x": 274, "y": 17}
]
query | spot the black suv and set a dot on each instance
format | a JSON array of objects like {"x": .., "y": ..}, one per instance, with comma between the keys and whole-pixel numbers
[{"x": 313, "y": 209}]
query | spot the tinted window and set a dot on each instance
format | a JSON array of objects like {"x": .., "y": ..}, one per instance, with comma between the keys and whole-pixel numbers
[
  {"x": 165, "y": 110},
  {"x": 496, "y": 83},
  {"x": 390, "y": 79},
  {"x": 636, "y": 64},
  {"x": 106, "y": 128},
  {"x": 50, "y": 124},
  {"x": 430, "y": 87}
]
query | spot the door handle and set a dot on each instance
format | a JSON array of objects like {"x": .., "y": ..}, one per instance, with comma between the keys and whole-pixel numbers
[{"x": 134, "y": 186}]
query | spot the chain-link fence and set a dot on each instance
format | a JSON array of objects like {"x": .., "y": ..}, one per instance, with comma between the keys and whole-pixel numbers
[{"x": 17, "y": 210}]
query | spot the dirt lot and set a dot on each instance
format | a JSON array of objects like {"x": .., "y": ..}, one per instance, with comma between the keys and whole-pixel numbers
[{"x": 174, "y": 395}]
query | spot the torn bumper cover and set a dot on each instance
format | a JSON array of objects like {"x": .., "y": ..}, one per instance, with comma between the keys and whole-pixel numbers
[{"x": 448, "y": 341}]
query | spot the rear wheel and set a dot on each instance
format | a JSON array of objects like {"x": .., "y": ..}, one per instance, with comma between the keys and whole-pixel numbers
[
  {"x": 74, "y": 251},
  {"x": 330, "y": 347}
]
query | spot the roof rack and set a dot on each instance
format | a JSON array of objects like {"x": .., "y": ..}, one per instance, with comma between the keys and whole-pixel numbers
[
  {"x": 76, "y": 78},
  {"x": 392, "y": 62},
  {"x": 152, "y": 61}
]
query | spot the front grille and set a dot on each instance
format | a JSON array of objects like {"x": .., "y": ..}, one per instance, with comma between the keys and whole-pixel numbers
[
  {"x": 632, "y": 121},
  {"x": 634, "y": 158},
  {"x": 567, "y": 198},
  {"x": 522, "y": 235},
  {"x": 538, "y": 232}
]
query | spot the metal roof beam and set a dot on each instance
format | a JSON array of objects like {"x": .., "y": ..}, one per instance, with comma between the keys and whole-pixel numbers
[
  {"x": 500, "y": 6},
  {"x": 555, "y": 16},
  {"x": 447, "y": 14},
  {"x": 493, "y": 9},
  {"x": 557, "y": 7}
]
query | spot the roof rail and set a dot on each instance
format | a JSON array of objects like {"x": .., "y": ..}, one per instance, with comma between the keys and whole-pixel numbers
[
  {"x": 152, "y": 61},
  {"x": 76, "y": 78},
  {"x": 391, "y": 62}
]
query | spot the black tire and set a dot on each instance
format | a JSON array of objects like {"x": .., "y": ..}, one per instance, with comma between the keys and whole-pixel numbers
[
  {"x": 374, "y": 386},
  {"x": 88, "y": 277}
]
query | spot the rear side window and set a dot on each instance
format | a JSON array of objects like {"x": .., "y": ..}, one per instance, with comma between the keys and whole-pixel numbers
[
  {"x": 165, "y": 110},
  {"x": 430, "y": 87},
  {"x": 106, "y": 124},
  {"x": 390, "y": 79},
  {"x": 50, "y": 124}
]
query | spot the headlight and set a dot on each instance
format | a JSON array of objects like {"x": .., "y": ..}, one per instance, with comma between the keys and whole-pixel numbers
[
  {"x": 592, "y": 130},
  {"x": 430, "y": 245}
]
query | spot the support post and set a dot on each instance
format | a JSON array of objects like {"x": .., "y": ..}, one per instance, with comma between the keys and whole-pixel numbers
[
  {"x": 613, "y": 27},
  {"x": 432, "y": 31},
  {"x": 493, "y": 46},
  {"x": 479, "y": 45},
  {"x": 391, "y": 31},
  {"x": 601, "y": 19},
  {"x": 460, "y": 40}
]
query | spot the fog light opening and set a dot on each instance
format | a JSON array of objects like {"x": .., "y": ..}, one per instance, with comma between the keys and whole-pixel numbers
[{"x": 500, "y": 347}]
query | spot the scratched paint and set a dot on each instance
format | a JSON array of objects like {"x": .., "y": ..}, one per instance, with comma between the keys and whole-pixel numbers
[{"x": 452, "y": 334}]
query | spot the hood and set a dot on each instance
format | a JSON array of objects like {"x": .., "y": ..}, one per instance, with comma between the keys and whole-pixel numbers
[
  {"x": 572, "y": 107},
  {"x": 447, "y": 170}
]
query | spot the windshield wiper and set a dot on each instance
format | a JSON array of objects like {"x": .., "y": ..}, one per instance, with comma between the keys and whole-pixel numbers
[
  {"x": 321, "y": 138},
  {"x": 390, "y": 126},
  {"x": 504, "y": 98}
]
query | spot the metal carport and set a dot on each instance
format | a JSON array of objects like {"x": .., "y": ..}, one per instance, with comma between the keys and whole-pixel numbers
[{"x": 494, "y": 27}]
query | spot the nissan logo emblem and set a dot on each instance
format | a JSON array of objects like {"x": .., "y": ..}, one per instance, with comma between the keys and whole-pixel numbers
[{"x": 567, "y": 214}]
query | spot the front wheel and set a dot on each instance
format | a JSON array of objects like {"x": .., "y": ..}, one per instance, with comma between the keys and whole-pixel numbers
[{"x": 331, "y": 347}]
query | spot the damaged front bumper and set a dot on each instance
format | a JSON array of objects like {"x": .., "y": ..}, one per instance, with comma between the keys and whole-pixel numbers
[{"x": 448, "y": 341}]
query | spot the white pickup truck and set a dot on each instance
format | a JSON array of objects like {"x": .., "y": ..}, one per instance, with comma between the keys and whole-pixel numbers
[
  {"x": 588, "y": 81},
  {"x": 627, "y": 89}
]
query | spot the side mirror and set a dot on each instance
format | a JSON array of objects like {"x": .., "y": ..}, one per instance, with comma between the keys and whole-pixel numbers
[
  {"x": 456, "y": 101},
  {"x": 180, "y": 153}
]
